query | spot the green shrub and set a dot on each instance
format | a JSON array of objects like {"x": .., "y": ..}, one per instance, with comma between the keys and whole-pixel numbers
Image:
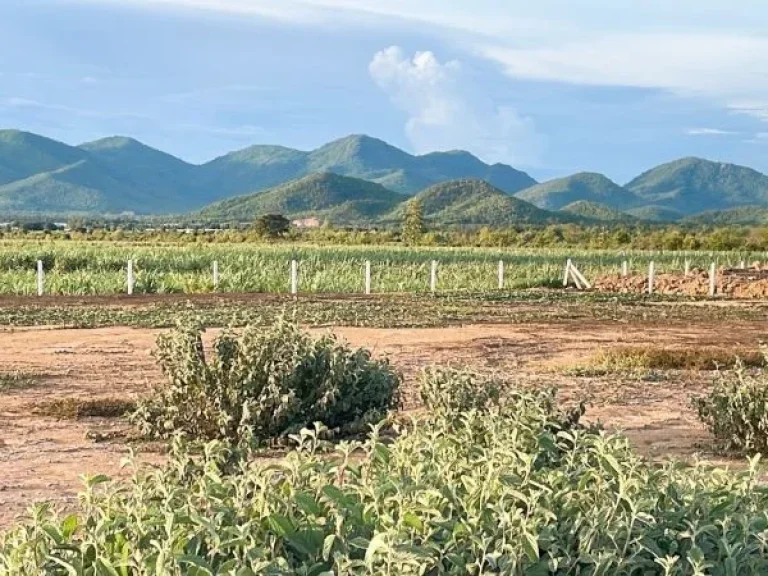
[
  {"x": 262, "y": 384},
  {"x": 500, "y": 491},
  {"x": 450, "y": 391},
  {"x": 736, "y": 411}
]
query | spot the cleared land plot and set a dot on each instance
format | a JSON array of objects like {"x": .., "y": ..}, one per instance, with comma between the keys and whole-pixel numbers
[{"x": 61, "y": 371}]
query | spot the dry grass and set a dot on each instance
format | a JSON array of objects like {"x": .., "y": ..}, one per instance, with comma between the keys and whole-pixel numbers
[
  {"x": 641, "y": 358},
  {"x": 14, "y": 381},
  {"x": 76, "y": 408}
]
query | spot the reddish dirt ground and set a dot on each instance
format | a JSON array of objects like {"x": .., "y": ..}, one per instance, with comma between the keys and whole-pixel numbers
[{"x": 42, "y": 458}]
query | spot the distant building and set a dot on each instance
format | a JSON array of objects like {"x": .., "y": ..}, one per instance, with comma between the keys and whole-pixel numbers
[{"x": 306, "y": 223}]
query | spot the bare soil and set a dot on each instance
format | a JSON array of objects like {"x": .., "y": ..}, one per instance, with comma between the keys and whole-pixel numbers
[{"x": 42, "y": 458}]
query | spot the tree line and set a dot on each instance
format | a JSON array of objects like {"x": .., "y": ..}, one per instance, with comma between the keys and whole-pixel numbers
[{"x": 417, "y": 231}]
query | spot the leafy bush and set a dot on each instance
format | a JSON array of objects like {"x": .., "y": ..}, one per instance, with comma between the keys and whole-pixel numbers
[
  {"x": 449, "y": 391},
  {"x": 262, "y": 384},
  {"x": 736, "y": 411},
  {"x": 502, "y": 491}
]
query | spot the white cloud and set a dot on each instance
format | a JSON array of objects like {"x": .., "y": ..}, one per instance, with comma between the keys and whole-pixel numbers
[
  {"x": 707, "y": 64},
  {"x": 445, "y": 112},
  {"x": 704, "y": 48},
  {"x": 709, "y": 132}
]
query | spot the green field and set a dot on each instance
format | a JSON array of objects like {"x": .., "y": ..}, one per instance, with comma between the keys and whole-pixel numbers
[{"x": 83, "y": 268}]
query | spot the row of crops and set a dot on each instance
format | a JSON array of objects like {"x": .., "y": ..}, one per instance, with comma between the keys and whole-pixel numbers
[{"x": 82, "y": 268}]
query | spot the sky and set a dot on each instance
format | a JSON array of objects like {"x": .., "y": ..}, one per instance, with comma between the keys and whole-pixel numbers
[{"x": 551, "y": 87}]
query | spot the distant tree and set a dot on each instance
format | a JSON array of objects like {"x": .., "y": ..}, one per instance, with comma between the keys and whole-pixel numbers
[
  {"x": 413, "y": 223},
  {"x": 272, "y": 225},
  {"x": 76, "y": 223}
]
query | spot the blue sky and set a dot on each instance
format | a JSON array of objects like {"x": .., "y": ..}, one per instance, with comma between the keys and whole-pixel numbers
[{"x": 551, "y": 86}]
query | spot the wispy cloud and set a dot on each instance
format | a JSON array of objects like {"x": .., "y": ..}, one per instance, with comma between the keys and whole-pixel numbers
[
  {"x": 179, "y": 97},
  {"x": 20, "y": 102},
  {"x": 758, "y": 138},
  {"x": 487, "y": 17},
  {"x": 243, "y": 131},
  {"x": 710, "y": 132},
  {"x": 757, "y": 110},
  {"x": 690, "y": 63},
  {"x": 719, "y": 56},
  {"x": 446, "y": 112}
]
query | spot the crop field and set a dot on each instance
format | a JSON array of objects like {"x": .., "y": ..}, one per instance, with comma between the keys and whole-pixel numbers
[
  {"x": 522, "y": 431},
  {"x": 85, "y": 268}
]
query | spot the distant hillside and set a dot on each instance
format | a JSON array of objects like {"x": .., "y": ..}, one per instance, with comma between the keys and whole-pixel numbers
[
  {"x": 596, "y": 211},
  {"x": 475, "y": 202},
  {"x": 363, "y": 157},
  {"x": 693, "y": 185},
  {"x": 655, "y": 213},
  {"x": 338, "y": 199},
  {"x": 747, "y": 215},
  {"x": 76, "y": 188},
  {"x": 170, "y": 180},
  {"x": 119, "y": 174},
  {"x": 108, "y": 176},
  {"x": 23, "y": 155},
  {"x": 584, "y": 186}
]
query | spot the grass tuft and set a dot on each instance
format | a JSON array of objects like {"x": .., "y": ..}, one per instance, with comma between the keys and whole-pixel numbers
[
  {"x": 643, "y": 358},
  {"x": 76, "y": 408},
  {"x": 15, "y": 381}
]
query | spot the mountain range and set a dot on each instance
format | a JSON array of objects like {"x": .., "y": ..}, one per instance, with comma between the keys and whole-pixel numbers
[
  {"x": 118, "y": 174},
  {"x": 356, "y": 180}
]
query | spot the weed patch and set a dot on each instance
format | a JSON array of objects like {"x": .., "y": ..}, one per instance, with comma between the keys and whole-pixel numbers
[
  {"x": 14, "y": 381},
  {"x": 645, "y": 358},
  {"x": 736, "y": 411},
  {"x": 76, "y": 408}
]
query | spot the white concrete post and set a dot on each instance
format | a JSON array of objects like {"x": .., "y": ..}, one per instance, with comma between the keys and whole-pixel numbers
[
  {"x": 367, "y": 276},
  {"x": 567, "y": 271},
  {"x": 687, "y": 268},
  {"x": 501, "y": 274},
  {"x": 624, "y": 269},
  {"x": 294, "y": 277},
  {"x": 651, "y": 277},
  {"x": 712, "y": 279},
  {"x": 130, "y": 277},
  {"x": 433, "y": 277},
  {"x": 40, "y": 277},
  {"x": 579, "y": 278}
]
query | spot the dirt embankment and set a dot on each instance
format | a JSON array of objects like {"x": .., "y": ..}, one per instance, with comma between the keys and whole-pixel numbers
[{"x": 735, "y": 283}]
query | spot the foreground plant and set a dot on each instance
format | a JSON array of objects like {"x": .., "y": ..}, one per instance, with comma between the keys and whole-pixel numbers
[
  {"x": 264, "y": 383},
  {"x": 736, "y": 410},
  {"x": 450, "y": 391},
  {"x": 512, "y": 489}
]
